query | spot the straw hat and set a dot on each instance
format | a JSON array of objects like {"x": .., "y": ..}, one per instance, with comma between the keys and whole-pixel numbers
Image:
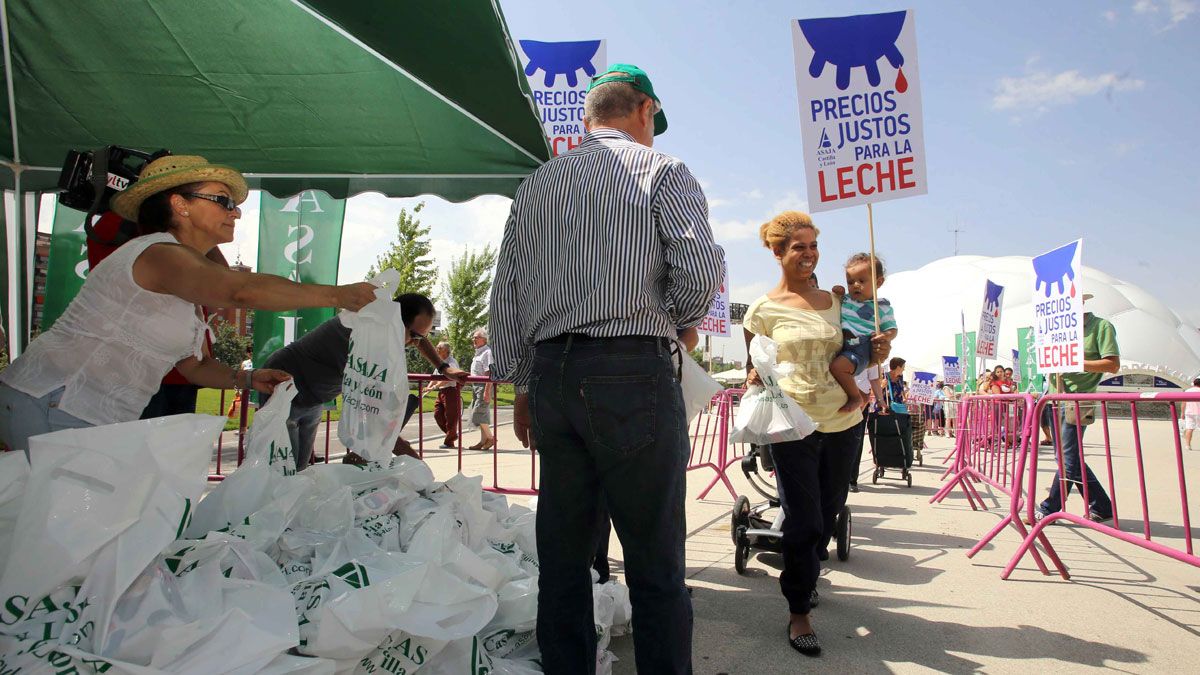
[{"x": 172, "y": 171}]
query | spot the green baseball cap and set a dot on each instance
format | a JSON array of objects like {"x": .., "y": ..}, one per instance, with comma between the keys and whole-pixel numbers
[{"x": 624, "y": 72}]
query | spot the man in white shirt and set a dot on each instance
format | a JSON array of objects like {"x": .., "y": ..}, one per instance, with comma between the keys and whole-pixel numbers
[{"x": 1191, "y": 414}]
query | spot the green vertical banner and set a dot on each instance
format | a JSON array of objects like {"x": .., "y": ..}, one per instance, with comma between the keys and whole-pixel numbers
[
  {"x": 1031, "y": 380},
  {"x": 299, "y": 238},
  {"x": 969, "y": 364},
  {"x": 68, "y": 266}
]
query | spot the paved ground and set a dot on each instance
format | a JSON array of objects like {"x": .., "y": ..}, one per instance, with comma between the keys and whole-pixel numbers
[{"x": 908, "y": 599}]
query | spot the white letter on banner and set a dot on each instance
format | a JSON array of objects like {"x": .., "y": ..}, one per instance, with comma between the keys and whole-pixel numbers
[
  {"x": 293, "y": 247},
  {"x": 293, "y": 204}
]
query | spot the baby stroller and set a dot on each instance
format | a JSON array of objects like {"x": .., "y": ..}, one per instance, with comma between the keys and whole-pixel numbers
[
  {"x": 891, "y": 445},
  {"x": 749, "y": 524}
]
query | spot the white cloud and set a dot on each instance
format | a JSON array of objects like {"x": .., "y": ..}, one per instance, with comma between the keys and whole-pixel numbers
[
  {"x": 791, "y": 201},
  {"x": 754, "y": 194},
  {"x": 1039, "y": 91},
  {"x": 717, "y": 202},
  {"x": 1177, "y": 11},
  {"x": 1125, "y": 147},
  {"x": 1110, "y": 15},
  {"x": 748, "y": 293},
  {"x": 734, "y": 230}
]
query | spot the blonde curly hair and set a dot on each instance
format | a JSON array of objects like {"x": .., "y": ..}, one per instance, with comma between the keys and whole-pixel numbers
[{"x": 777, "y": 231}]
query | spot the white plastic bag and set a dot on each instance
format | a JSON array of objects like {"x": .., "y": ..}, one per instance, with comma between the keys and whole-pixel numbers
[
  {"x": 375, "y": 380},
  {"x": 102, "y": 503},
  {"x": 767, "y": 415},
  {"x": 14, "y": 472},
  {"x": 698, "y": 387},
  {"x": 268, "y": 435}
]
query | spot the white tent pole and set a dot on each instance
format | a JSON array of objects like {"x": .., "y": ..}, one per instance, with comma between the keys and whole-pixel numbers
[
  {"x": 399, "y": 69},
  {"x": 16, "y": 262}
]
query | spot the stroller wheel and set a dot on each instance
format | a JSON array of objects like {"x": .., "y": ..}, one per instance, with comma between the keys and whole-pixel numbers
[
  {"x": 740, "y": 517},
  {"x": 921, "y": 460},
  {"x": 908, "y": 477},
  {"x": 842, "y": 528},
  {"x": 875, "y": 477},
  {"x": 741, "y": 551}
]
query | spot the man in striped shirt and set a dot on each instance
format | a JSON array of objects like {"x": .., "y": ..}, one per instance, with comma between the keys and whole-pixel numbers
[{"x": 607, "y": 253}]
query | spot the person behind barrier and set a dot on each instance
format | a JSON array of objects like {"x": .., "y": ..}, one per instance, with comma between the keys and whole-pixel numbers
[
  {"x": 813, "y": 473},
  {"x": 137, "y": 315},
  {"x": 447, "y": 410},
  {"x": 317, "y": 361},
  {"x": 898, "y": 408},
  {"x": 1191, "y": 414},
  {"x": 1101, "y": 355},
  {"x": 872, "y": 393},
  {"x": 481, "y": 394},
  {"x": 607, "y": 251},
  {"x": 950, "y": 408}
]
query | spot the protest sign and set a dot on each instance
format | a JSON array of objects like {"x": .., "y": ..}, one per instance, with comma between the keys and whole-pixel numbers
[
  {"x": 860, "y": 108},
  {"x": 1025, "y": 365},
  {"x": 920, "y": 392},
  {"x": 964, "y": 348},
  {"x": 718, "y": 322},
  {"x": 554, "y": 71},
  {"x": 989, "y": 320},
  {"x": 1058, "y": 309},
  {"x": 952, "y": 370}
]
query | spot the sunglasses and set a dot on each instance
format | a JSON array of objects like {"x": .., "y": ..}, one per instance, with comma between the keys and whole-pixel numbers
[{"x": 226, "y": 202}]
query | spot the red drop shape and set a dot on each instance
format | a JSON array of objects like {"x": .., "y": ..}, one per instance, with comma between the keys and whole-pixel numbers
[
  {"x": 1072, "y": 289},
  {"x": 901, "y": 81}
]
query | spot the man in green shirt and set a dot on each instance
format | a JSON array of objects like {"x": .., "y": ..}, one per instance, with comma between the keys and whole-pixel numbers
[{"x": 1100, "y": 355}]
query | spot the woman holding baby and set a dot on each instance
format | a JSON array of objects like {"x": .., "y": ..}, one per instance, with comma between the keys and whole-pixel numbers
[{"x": 813, "y": 473}]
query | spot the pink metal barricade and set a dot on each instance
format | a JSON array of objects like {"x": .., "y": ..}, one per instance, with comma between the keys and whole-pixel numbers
[
  {"x": 1078, "y": 405},
  {"x": 710, "y": 440},
  {"x": 710, "y": 446},
  {"x": 992, "y": 444},
  {"x": 495, "y": 450}
]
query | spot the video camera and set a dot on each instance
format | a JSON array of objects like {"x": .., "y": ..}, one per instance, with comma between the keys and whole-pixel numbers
[{"x": 89, "y": 180}]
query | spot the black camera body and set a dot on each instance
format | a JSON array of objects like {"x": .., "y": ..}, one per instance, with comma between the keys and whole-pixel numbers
[{"x": 89, "y": 179}]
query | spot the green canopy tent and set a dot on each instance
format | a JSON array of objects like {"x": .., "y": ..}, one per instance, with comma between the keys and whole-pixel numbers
[{"x": 402, "y": 98}]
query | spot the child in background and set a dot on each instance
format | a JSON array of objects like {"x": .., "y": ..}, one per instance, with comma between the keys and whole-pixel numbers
[{"x": 858, "y": 324}]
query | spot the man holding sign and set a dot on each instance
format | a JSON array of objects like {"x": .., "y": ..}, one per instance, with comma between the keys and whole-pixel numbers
[{"x": 1100, "y": 355}]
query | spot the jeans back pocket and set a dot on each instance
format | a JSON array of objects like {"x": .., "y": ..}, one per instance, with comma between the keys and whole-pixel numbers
[{"x": 621, "y": 411}]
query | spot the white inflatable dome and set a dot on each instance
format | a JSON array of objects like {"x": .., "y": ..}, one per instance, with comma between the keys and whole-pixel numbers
[{"x": 1154, "y": 339}]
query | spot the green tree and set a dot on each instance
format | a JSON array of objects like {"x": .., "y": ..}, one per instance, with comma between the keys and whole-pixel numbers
[
  {"x": 229, "y": 346},
  {"x": 466, "y": 290},
  {"x": 409, "y": 255}
]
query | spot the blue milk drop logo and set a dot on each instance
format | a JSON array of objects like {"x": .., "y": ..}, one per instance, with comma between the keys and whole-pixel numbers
[
  {"x": 560, "y": 58},
  {"x": 856, "y": 42},
  {"x": 1054, "y": 268}
]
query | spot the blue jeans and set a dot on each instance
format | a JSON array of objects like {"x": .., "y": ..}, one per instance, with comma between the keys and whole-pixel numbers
[
  {"x": 813, "y": 475},
  {"x": 22, "y": 416},
  {"x": 302, "y": 425},
  {"x": 607, "y": 416},
  {"x": 1072, "y": 438}
]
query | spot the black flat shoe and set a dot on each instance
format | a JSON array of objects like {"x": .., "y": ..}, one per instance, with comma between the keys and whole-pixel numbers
[
  {"x": 805, "y": 644},
  {"x": 823, "y": 554}
]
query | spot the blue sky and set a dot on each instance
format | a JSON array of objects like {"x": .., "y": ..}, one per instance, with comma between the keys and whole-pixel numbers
[{"x": 1044, "y": 122}]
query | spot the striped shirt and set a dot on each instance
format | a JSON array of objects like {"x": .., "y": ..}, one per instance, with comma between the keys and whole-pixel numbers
[
  {"x": 609, "y": 239},
  {"x": 858, "y": 318}
]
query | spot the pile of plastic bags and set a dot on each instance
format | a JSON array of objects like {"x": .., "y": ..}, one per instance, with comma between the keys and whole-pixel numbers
[{"x": 111, "y": 563}]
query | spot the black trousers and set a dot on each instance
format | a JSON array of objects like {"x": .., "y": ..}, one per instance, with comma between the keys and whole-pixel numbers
[{"x": 813, "y": 475}]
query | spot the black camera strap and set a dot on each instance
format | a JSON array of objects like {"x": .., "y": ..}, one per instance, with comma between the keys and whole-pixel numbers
[{"x": 99, "y": 185}]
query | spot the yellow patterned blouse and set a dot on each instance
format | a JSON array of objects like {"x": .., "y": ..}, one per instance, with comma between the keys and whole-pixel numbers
[{"x": 809, "y": 340}]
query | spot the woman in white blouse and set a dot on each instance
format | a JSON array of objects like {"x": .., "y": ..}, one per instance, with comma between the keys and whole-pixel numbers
[{"x": 138, "y": 315}]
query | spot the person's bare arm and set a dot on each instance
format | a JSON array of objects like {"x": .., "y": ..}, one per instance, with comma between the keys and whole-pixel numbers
[
  {"x": 1108, "y": 364},
  {"x": 430, "y": 353},
  {"x": 216, "y": 375},
  {"x": 690, "y": 337},
  {"x": 177, "y": 270},
  {"x": 752, "y": 377}
]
